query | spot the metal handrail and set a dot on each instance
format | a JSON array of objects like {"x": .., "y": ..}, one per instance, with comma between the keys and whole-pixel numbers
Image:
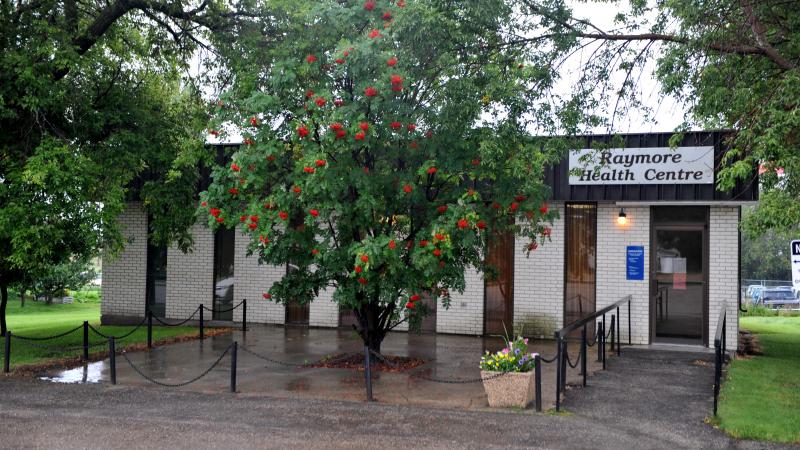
[
  {"x": 719, "y": 336},
  {"x": 720, "y": 349},
  {"x": 600, "y": 340},
  {"x": 580, "y": 323}
]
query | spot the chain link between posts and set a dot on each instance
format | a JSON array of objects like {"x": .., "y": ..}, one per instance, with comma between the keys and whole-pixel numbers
[
  {"x": 566, "y": 355},
  {"x": 47, "y": 338},
  {"x": 223, "y": 310},
  {"x": 295, "y": 365},
  {"x": 107, "y": 336},
  {"x": 175, "y": 385},
  {"x": 176, "y": 324}
]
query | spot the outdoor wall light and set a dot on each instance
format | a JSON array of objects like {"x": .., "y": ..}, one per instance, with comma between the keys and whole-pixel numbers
[{"x": 622, "y": 219}]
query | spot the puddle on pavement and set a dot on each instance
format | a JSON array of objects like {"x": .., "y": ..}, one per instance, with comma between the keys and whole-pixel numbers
[{"x": 89, "y": 373}]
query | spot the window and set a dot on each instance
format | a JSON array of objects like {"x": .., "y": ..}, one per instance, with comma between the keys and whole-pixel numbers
[
  {"x": 581, "y": 256},
  {"x": 224, "y": 251},
  {"x": 156, "y": 279}
]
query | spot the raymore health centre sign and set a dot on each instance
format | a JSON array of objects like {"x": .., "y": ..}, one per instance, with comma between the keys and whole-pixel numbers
[{"x": 648, "y": 165}]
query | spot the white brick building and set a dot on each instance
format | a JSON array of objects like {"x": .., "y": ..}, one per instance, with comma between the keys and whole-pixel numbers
[{"x": 687, "y": 270}]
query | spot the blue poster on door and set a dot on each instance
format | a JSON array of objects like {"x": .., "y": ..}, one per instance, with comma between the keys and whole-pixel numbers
[{"x": 634, "y": 258}]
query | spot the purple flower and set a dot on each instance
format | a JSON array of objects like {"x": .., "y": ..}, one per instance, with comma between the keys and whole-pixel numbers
[{"x": 516, "y": 352}]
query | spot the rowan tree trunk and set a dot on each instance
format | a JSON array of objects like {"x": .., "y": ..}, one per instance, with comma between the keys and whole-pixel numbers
[
  {"x": 3, "y": 303},
  {"x": 372, "y": 325}
]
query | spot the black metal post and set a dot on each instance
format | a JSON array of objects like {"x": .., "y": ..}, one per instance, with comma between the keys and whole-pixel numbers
[
  {"x": 201, "y": 322},
  {"x": 85, "y": 340},
  {"x": 537, "y": 368},
  {"x": 613, "y": 332},
  {"x": 368, "y": 373},
  {"x": 234, "y": 352},
  {"x": 717, "y": 376},
  {"x": 724, "y": 336},
  {"x": 564, "y": 365},
  {"x": 629, "y": 321},
  {"x": 619, "y": 339},
  {"x": 604, "y": 330},
  {"x": 603, "y": 344},
  {"x": 598, "y": 341},
  {"x": 244, "y": 316},
  {"x": 558, "y": 372},
  {"x": 112, "y": 359},
  {"x": 7, "y": 353},
  {"x": 149, "y": 329},
  {"x": 583, "y": 354}
]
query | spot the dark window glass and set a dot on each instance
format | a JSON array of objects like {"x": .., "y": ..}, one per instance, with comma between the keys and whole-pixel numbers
[
  {"x": 224, "y": 251},
  {"x": 499, "y": 296},
  {"x": 156, "y": 295},
  {"x": 581, "y": 255}
]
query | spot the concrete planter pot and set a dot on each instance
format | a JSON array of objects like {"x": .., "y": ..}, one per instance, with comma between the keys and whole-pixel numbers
[{"x": 514, "y": 389}]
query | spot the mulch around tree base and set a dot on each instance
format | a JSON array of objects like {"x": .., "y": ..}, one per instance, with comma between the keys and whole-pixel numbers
[
  {"x": 356, "y": 361},
  {"x": 35, "y": 370}
]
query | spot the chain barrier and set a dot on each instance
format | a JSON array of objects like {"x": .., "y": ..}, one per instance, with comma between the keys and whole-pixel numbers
[
  {"x": 100, "y": 333},
  {"x": 59, "y": 347},
  {"x": 566, "y": 355},
  {"x": 223, "y": 310},
  {"x": 275, "y": 361},
  {"x": 594, "y": 339},
  {"x": 305, "y": 365},
  {"x": 548, "y": 361},
  {"x": 185, "y": 383},
  {"x": 47, "y": 338},
  {"x": 458, "y": 381},
  {"x": 179, "y": 323}
]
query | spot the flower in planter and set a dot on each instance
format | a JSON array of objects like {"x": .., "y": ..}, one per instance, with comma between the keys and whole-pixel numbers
[{"x": 514, "y": 358}]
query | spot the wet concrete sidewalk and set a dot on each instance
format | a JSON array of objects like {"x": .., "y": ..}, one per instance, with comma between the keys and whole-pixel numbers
[{"x": 451, "y": 358}]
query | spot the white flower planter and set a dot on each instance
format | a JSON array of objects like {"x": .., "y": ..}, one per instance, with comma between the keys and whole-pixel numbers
[{"x": 514, "y": 389}]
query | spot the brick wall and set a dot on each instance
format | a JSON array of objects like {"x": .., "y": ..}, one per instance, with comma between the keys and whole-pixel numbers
[
  {"x": 612, "y": 240},
  {"x": 252, "y": 280},
  {"x": 125, "y": 274},
  {"x": 724, "y": 271},
  {"x": 465, "y": 315},
  {"x": 190, "y": 276},
  {"x": 539, "y": 283},
  {"x": 323, "y": 311}
]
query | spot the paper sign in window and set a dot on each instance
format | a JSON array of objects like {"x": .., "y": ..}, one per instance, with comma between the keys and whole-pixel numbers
[{"x": 679, "y": 274}]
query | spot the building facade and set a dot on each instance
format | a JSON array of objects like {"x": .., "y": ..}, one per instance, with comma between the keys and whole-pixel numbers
[{"x": 646, "y": 221}]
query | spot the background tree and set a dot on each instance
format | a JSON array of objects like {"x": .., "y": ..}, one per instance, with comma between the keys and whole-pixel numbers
[
  {"x": 733, "y": 64},
  {"x": 60, "y": 278},
  {"x": 96, "y": 107},
  {"x": 766, "y": 256},
  {"x": 384, "y": 147}
]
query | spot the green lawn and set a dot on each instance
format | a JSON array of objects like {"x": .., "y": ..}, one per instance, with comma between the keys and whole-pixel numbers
[
  {"x": 38, "y": 319},
  {"x": 760, "y": 397}
]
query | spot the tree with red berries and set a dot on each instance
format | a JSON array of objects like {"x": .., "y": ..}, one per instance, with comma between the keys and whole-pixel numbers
[{"x": 385, "y": 147}]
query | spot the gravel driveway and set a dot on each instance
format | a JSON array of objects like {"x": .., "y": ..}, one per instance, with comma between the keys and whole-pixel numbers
[{"x": 645, "y": 400}]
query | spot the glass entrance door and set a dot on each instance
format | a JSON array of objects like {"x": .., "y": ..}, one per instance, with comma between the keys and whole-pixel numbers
[{"x": 678, "y": 286}]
